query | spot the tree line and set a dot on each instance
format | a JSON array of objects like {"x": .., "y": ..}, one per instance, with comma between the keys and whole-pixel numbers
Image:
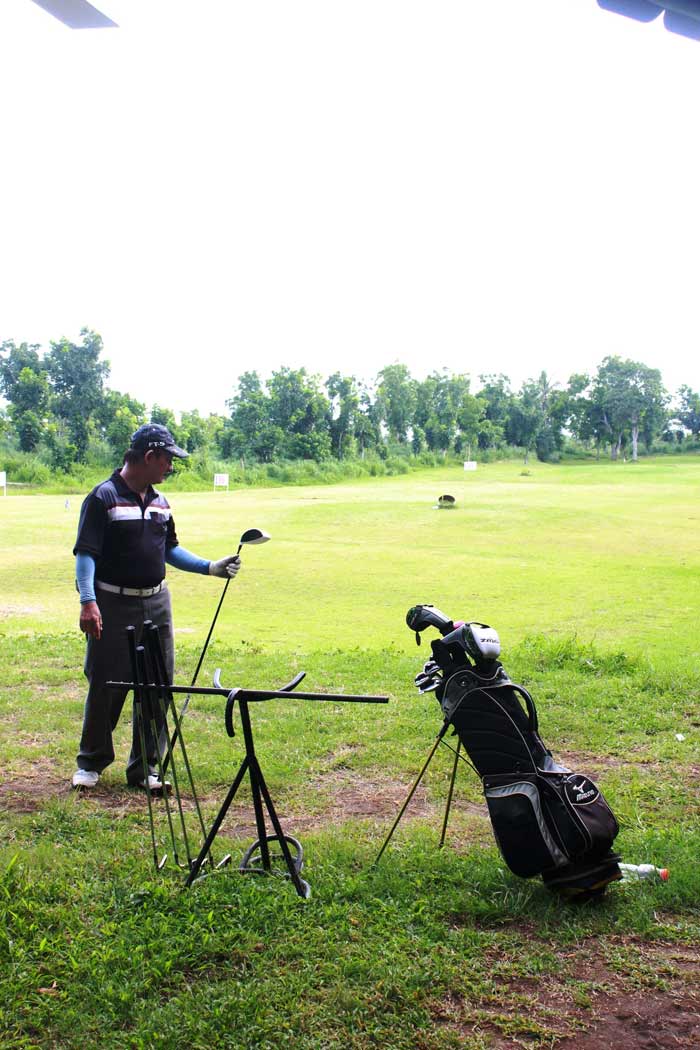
[{"x": 58, "y": 405}]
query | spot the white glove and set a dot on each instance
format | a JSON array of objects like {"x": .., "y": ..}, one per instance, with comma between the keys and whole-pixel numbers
[{"x": 226, "y": 567}]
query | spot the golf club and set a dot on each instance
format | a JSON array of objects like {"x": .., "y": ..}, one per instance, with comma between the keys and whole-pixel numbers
[
  {"x": 138, "y": 714},
  {"x": 250, "y": 536},
  {"x": 162, "y": 792},
  {"x": 157, "y": 677},
  {"x": 161, "y": 679}
]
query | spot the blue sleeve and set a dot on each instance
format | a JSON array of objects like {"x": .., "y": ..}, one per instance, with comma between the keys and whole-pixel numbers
[
  {"x": 85, "y": 576},
  {"x": 179, "y": 558}
]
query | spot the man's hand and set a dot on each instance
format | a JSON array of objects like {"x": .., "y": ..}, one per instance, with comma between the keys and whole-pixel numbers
[
  {"x": 91, "y": 620},
  {"x": 226, "y": 567}
]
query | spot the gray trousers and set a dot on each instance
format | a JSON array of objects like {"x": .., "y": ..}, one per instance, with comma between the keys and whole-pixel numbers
[{"x": 108, "y": 660}]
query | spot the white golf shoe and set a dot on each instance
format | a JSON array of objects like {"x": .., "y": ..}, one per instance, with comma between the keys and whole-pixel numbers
[
  {"x": 155, "y": 785},
  {"x": 85, "y": 778}
]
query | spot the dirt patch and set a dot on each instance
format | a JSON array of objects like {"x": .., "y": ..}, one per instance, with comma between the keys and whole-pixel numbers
[
  {"x": 651, "y": 1001},
  {"x": 339, "y": 795},
  {"x": 649, "y": 1021},
  {"x": 29, "y": 791},
  {"x": 594, "y": 764},
  {"x": 598, "y": 765}
]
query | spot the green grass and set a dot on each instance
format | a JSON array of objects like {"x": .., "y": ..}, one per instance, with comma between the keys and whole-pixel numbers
[{"x": 590, "y": 574}]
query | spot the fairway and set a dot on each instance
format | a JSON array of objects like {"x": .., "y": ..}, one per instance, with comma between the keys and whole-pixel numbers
[
  {"x": 608, "y": 552},
  {"x": 589, "y": 572}
]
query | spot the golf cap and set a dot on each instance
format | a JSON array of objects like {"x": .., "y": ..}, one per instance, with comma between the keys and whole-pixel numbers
[{"x": 158, "y": 438}]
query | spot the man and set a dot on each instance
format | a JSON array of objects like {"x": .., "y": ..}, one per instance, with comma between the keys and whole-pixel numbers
[{"x": 125, "y": 537}]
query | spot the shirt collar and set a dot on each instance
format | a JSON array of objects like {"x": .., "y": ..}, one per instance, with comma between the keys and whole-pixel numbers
[{"x": 124, "y": 489}]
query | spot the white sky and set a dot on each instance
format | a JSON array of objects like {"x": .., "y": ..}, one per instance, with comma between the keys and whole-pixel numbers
[{"x": 220, "y": 185}]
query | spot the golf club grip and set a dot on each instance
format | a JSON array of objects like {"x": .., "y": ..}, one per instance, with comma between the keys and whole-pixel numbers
[
  {"x": 131, "y": 644},
  {"x": 146, "y": 697}
]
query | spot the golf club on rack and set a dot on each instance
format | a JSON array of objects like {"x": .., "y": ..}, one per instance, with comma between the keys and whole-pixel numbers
[
  {"x": 250, "y": 536},
  {"x": 167, "y": 704},
  {"x": 259, "y": 859},
  {"x": 139, "y": 699}
]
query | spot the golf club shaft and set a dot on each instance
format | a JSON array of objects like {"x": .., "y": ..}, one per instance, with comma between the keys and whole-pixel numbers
[
  {"x": 173, "y": 739},
  {"x": 149, "y": 698},
  {"x": 157, "y": 666},
  {"x": 250, "y": 536},
  {"x": 162, "y": 675},
  {"x": 138, "y": 714}
]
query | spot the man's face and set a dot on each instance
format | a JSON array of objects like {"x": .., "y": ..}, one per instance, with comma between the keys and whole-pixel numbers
[{"x": 160, "y": 465}]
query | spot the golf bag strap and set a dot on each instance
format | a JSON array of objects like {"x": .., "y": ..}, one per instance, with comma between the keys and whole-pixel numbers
[
  {"x": 504, "y": 684},
  {"x": 529, "y": 704}
]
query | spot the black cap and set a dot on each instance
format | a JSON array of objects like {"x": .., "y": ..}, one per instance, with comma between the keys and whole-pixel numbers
[{"x": 158, "y": 438}]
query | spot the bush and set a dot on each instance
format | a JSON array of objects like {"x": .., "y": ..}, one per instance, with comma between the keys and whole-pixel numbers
[{"x": 25, "y": 468}]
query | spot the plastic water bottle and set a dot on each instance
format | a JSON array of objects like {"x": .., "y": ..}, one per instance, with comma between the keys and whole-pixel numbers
[{"x": 631, "y": 872}]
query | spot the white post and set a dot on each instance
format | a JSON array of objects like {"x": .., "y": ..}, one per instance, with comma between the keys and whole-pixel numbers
[{"x": 3, "y": 481}]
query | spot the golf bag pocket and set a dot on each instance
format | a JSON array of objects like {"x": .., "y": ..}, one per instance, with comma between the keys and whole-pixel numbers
[
  {"x": 519, "y": 823},
  {"x": 578, "y": 814},
  {"x": 547, "y": 820}
]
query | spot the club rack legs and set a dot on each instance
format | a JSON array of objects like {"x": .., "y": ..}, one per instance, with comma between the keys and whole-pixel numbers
[
  {"x": 154, "y": 705},
  {"x": 258, "y": 858}
]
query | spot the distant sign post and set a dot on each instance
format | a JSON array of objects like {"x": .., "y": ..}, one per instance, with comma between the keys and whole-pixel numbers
[
  {"x": 470, "y": 464},
  {"x": 3, "y": 481},
  {"x": 221, "y": 481}
]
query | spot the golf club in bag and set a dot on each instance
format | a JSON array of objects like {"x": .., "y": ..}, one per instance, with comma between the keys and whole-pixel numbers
[{"x": 547, "y": 819}]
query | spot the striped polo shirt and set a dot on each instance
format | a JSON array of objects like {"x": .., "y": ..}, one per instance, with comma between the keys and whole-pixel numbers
[{"x": 126, "y": 536}]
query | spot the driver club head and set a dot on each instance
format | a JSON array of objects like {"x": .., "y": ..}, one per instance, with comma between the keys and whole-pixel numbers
[{"x": 255, "y": 536}]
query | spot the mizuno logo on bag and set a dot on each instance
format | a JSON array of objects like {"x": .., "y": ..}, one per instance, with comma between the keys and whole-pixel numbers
[{"x": 581, "y": 793}]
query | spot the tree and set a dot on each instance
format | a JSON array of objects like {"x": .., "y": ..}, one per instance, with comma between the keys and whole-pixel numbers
[
  {"x": 537, "y": 417},
  {"x": 249, "y": 432},
  {"x": 396, "y": 398},
  {"x": 119, "y": 416},
  {"x": 689, "y": 410},
  {"x": 439, "y": 400},
  {"x": 495, "y": 392},
  {"x": 368, "y": 424},
  {"x": 194, "y": 431},
  {"x": 300, "y": 410},
  {"x": 523, "y": 423},
  {"x": 23, "y": 382},
  {"x": 472, "y": 422},
  {"x": 200, "y": 433},
  {"x": 77, "y": 379},
  {"x": 13, "y": 360},
  {"x": 344, "y": 398},
  {"x": 62, "y": 452},
  {"x": 30, "y": 399},
  {"x": 585, "y": 418},
  {"x": 631, "y": 397},
  {"x": 166, "y": 418}
]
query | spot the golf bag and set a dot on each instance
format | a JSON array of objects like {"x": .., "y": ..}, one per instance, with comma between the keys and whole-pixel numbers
[{"x": 547, "y": 819}]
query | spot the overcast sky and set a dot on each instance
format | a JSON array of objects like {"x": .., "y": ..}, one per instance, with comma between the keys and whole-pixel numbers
[{"x": 220, "y": 186}]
